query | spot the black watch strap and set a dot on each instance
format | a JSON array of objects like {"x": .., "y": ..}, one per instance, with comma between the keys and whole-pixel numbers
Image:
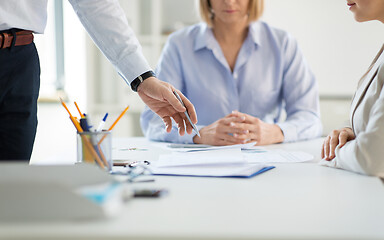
[{"x": 135, "y": 83}]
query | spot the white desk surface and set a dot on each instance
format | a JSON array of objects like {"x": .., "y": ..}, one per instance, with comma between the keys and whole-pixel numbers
[{"x": 292, "y": 201}]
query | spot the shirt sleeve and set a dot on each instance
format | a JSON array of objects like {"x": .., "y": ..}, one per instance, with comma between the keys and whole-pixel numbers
[
  {"x": 106, "y": 23},
  {"x": 169, "y": 69},
  {"x": 300, "y": 94},
  {"x": 365, "y": 153}
]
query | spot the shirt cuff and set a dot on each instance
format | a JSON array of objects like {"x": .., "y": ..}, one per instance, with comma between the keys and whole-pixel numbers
[
  {"x": 132, "y": 66},
  {"x": 289, "y": 131},
  {"x": 343, "y": 161},
  {"x": 326, "y": 163}
]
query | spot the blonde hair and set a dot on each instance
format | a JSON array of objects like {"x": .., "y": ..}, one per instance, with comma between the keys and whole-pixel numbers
[{"x": 255, "y": 10}]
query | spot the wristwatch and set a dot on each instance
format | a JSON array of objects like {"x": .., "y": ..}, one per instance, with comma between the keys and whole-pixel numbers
[{"x": 135, "y": 83}]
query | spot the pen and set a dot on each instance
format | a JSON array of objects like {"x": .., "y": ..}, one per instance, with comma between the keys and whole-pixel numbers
[
  {"x": 114, "y": 123},
  {"x": 187, "y": 115},
  {"x": 101, "y": 124}
]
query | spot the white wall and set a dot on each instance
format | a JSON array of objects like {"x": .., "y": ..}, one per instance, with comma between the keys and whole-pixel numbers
[{"x": 338, "y": 48}]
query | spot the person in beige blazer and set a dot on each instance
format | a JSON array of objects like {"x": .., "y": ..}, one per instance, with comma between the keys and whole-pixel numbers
[{"x": 360, "y": 147}]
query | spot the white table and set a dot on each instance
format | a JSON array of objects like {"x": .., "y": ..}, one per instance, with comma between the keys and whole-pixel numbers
[{"x": 292, "y": 201}]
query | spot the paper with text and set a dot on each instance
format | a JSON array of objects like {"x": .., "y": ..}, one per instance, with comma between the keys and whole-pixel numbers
[
  {"x": 275, "y": 156},
  {"x": 200, "y": 147},
  {"x": 222, "y": 156}
]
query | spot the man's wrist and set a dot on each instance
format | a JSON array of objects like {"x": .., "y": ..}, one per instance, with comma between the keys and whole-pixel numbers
[{"x": 137, "y": 81}]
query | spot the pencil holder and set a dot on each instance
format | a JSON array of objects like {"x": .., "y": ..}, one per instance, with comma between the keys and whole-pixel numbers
[{"x": 95, "y": 148}]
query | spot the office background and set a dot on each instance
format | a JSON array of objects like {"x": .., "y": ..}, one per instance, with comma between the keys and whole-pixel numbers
[{"x": 338, "y": 49}]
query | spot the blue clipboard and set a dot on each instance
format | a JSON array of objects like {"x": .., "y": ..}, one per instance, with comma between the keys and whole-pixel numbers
[{"x": 220, "y": 176}]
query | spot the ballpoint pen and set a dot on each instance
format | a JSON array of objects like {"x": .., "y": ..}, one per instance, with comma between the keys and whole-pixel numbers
[
  {"x": 114, "y": 123},
  {"x": 101, "y": 124},
  {"x": 187, "y": 115}
]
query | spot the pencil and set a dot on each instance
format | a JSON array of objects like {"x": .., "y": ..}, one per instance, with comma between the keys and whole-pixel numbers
[
  {"x": 118, "y": 118},
  {"x": 78, "y": 109},
  {"x": 65, "y": 106}
]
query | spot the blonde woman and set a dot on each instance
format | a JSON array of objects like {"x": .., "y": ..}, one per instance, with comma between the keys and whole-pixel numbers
[
  {"x": 240, "y": 74},
  {"x": 360, "y": 147}
]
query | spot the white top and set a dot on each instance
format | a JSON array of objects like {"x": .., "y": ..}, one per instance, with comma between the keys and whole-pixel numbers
[
  {"x": 105, "y": 21},
  {"x": 23, "y": 14},
  {"x": 365, "y": 153}
]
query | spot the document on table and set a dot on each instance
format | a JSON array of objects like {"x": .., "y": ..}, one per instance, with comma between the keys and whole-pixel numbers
[
  {"x": 222, "y": 162},
  {"x": 275, "y": 156},
  {"x": 235, "y": 154},
  {"x": 216, "y": 157},
  {"x": 202, "y": 147},
  {"x": 243, "y": 170}
]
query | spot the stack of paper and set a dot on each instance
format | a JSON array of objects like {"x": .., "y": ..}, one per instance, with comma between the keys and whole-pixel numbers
[
  {"x": 213, "y": 157},
  {"x": 226, "y": 170},
  {"x": 209, "y": 162},
  {"x": 243, "y": 160}
]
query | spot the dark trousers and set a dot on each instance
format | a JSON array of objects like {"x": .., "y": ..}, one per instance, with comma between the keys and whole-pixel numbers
[{"x": 19, "y": 90}]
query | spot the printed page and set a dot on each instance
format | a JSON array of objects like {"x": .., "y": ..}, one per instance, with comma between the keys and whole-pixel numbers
[
  {"x": 217, "y": 157},
  {"x": 276, "y": 156},
  {"x": 201, "y": 147}
]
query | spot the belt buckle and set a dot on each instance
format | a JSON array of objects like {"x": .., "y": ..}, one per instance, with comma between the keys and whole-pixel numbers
[{"x": 5, "y": 37}]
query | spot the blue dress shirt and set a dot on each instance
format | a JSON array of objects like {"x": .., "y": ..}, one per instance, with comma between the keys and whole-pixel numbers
[{"x": 270, "y": 76}]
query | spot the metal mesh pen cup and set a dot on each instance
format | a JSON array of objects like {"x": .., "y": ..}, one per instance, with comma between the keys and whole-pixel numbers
[{"x": 95, "y": 148}]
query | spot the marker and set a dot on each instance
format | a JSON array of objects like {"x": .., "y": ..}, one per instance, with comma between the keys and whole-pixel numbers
[
  {"x": 84, "y": 124},
  {"x": 90, "y": 127},
  {"x": 187, "y": 115},
  {"x": 101, "y": 124}
]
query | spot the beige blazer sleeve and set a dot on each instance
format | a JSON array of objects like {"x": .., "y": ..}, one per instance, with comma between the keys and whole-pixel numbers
[{"x": 365, "y": 154}]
